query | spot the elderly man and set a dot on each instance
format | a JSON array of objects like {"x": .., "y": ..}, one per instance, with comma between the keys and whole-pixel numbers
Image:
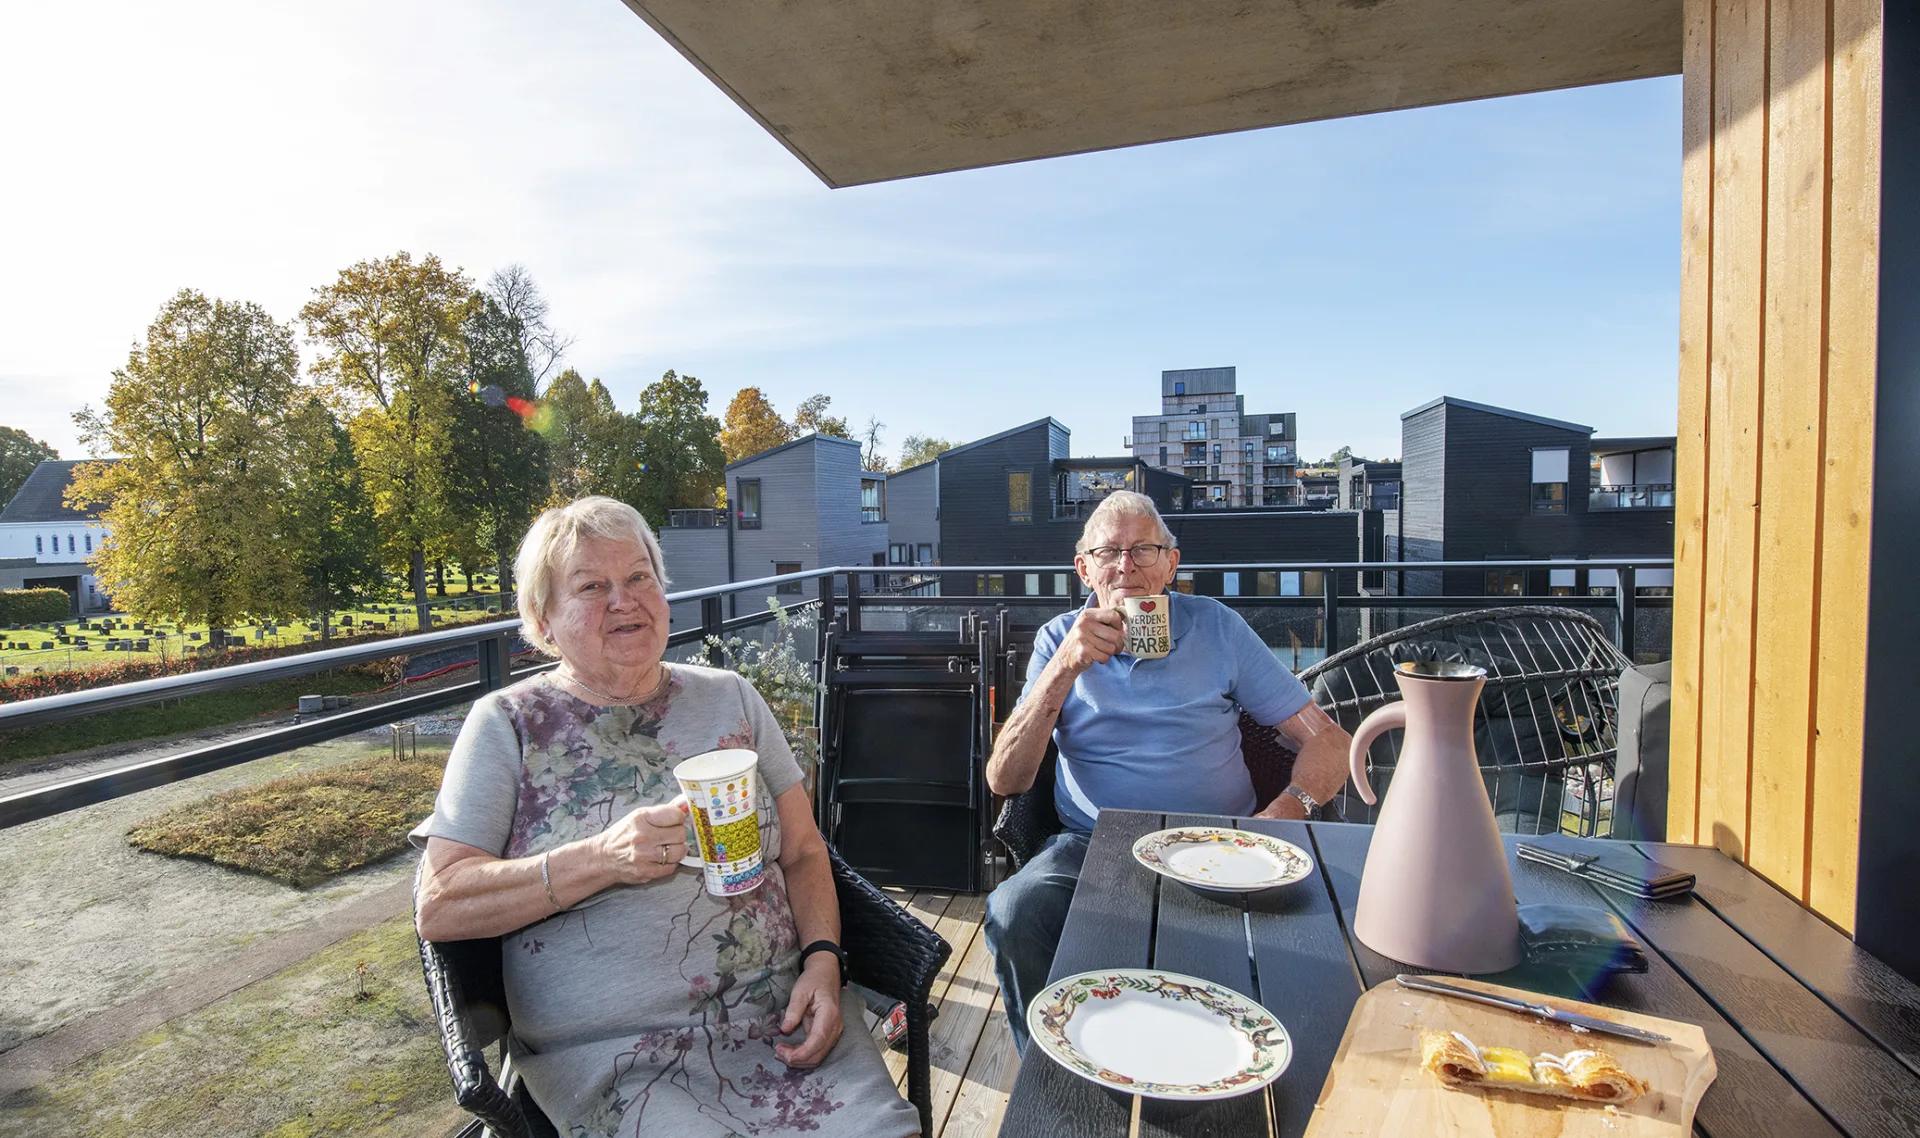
[{"x": 1137, "y": 734}]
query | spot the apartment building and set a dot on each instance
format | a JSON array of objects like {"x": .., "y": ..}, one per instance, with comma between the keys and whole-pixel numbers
[{"x": 1203, "y": 432}]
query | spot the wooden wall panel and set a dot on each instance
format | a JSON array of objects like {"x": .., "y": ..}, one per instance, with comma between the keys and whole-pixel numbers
[
  {"x": 1847, "y": 472},
  {"x": 1690, "y": 455},
  {"x": 1733, "y": 426},
  {"x": 1779, "y": 278},
  {"x": 1793, "y": 367}
]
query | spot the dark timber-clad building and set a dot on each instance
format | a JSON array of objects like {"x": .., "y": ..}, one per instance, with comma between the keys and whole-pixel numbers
[{"x": 1488, "y": 483}]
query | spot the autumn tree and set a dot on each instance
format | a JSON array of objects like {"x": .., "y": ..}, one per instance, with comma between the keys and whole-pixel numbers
[
  {"x": 330, "y": 536},
  {"x": 916, "y": 449},
  {"x": 199, "y": 418},
  {"x": 497, "y": 475},
  {"x": 811, "y": 418},
  {"x": 392, "y": 353},
  {"x": 675, "y": 460},
  {"x": 526, "y": 310},
  {"x": 19, "y": 454},
  {"x": 752, "y": 425},
  {"x": 586, "y": 436}
]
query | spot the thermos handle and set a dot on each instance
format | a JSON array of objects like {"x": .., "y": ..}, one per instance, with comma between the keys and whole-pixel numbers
[{"x": 1382, "y": 720}]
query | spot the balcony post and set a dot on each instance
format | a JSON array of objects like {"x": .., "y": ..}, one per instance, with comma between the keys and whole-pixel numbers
[
  {"x": 825, "y": 622},
  {"x": 1330, "y": 610},
  {"x": 853, "y": 602},
  {"x": 1624, "y": 592},
  {"x": 710, "y": 622},
  {"x": 494, "y": 662}
]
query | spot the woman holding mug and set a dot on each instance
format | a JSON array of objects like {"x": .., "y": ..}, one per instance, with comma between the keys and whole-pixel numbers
[{"x": 641, "y": 1004}]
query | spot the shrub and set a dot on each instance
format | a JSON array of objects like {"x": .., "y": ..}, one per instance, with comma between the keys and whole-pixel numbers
[
  {"x": 33, "y": 606},
  {"x": 777, "y": 672}
]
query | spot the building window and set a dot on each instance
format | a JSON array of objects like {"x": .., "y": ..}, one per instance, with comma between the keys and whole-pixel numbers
[
  {"x": 1196, "y": 430},
  {"x": 1163, "y": 456},
  {"x": 38, "y": 544},
  {"x": 89, "y": 542},
  {"x": 1215, "y": 475},
  {"x": 1505, "y": 583},
  {"x": 747, "y": 490},
  {"x": 1183, "y": 582},
  {"x": 1550, "y": 480},
  {"x": 1216, "y": 452},
  {"x": 1276, "y": 454},
  {"x": 1229, "y": 584},
  {"x": 873, "y": 500},
  {"x": 1032, "y": 584},
  {"x": 1179, "y": 387},
  {"x": 989, "y": 585},
  {"x": 1059, "y": 584},
  {"x": 926, "y": 553},
  {"x": 899, "y": 553},
  {"x": 70, "y": 548},
  {"x": 1019, "y": 497},
  {"x": 781, "y": 569}
]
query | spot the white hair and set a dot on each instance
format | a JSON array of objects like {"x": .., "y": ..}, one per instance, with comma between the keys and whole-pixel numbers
[
  {"x": 1122, "y": 504},
  {"x": 554, "y": 536}
]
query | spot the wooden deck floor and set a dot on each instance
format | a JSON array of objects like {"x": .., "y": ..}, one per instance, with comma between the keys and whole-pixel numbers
[{"x": 973, "y": 1058}]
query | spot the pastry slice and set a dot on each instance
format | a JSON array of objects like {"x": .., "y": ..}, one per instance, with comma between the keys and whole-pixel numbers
[{"x": 1585, "y": 1076}]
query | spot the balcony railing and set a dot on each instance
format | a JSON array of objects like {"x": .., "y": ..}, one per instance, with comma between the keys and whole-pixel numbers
[
  {"x": 1635, "y": 497},
  {"x": 1352, "y": 602},
  {"x": 696, "y": 519}
]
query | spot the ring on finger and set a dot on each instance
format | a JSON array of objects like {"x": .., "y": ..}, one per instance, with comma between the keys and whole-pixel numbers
[{"x": 664, "y": 859}]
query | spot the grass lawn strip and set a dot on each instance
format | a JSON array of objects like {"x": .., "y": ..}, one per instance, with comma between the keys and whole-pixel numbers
[
  {"x": 305, "y": 828},
  {"x": 298, "y": 1055}
]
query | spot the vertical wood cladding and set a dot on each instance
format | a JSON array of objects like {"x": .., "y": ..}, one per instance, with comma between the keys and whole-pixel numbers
[
  {"x": 974, "y": 526},
  {"x": 1780, "y": 238}
]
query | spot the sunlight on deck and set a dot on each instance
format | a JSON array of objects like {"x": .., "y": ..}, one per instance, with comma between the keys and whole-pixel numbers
[{"x": 973, "y": 1059}]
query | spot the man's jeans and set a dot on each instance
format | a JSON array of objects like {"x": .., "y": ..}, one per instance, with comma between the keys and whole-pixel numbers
[{"x": 1024, "y": 918}]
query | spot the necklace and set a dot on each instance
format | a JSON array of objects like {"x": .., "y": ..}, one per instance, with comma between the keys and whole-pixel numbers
[{"x": 567, "y": 675}]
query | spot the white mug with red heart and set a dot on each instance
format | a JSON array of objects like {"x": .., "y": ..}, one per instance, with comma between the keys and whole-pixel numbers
[{"x": 1149, "y": 626}]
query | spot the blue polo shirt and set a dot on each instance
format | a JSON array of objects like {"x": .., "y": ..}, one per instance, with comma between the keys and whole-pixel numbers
[{"x": 1165, "y": 734}]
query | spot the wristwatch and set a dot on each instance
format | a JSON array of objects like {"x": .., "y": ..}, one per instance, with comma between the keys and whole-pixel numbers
[
  {"x": 839, "y": 954},
  {"x": 1307, "y": 800}
]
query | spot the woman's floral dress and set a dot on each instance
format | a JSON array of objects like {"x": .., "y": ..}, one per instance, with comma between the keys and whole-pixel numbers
[{"x": 652, "y": 1009}]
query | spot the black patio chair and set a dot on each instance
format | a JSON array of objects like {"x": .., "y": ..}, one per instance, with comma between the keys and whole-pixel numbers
[
  {"x": 1545, "y": 730},
  {"x": 887, "y": 950},
  {"x": 1028, "y": 819}
]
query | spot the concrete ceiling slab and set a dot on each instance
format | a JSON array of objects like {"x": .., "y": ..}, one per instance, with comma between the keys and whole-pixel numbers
[{"x": 871, "y": 90}]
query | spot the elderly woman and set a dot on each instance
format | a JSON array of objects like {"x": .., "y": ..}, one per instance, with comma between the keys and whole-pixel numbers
[{"x": 641, "y": 1004}]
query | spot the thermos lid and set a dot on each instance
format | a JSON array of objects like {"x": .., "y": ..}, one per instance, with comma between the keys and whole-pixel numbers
[{"x": 1440, "y": 670}]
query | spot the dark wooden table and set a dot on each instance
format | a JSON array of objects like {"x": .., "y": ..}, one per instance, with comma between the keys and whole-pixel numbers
[{"x": 1812, "y": 1036}]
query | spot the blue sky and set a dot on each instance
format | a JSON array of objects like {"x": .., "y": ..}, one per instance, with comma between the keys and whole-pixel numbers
[{"x": 1522, "y": 251}]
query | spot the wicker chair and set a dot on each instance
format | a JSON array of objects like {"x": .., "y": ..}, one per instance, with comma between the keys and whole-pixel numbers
[
  {"x": 887, "y": 950},
  {"x": 1545, "y": 728},
  {"x": 1029, "y": 818}
]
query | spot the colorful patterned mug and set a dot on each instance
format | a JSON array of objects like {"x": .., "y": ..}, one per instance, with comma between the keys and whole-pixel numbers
[
  {"x": 1149, "y": 626},
  {"x": 719, "y": 788}
]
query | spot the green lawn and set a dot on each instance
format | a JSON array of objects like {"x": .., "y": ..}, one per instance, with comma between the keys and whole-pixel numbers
[
  {"x": 158, "y": 720},
  {"x": 22, "y": 646}
]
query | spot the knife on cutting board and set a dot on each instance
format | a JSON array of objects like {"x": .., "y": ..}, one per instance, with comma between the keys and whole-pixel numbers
[{"x": 1571, "y": 1019}]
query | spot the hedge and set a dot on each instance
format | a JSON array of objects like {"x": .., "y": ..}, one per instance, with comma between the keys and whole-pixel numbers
[{"x": 34, "y": 606}]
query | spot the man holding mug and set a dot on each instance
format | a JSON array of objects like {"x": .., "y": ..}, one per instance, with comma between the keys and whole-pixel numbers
[{"x": 1156, "y": 728}]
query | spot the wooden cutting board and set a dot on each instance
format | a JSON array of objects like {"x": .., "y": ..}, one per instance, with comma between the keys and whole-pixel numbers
[{"x": 1376, "y": 1085}]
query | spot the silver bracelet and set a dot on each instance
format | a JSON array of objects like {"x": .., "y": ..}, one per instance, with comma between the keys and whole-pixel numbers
[
  {"x": 1307, "y": 800},
  {"x": 548, "y": 882}
]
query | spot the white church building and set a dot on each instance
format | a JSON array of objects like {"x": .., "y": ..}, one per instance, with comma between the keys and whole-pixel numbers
[{"x": 44, "y": 543}]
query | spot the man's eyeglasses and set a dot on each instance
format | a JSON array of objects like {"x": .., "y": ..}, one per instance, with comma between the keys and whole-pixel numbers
[{"x": 1145, "y": 555}]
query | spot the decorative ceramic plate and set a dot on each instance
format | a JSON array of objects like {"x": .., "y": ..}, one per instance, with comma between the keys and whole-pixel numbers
[
  {"x": 1212, "y": 857},
  {"x": 1159, "y": 1034}
]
